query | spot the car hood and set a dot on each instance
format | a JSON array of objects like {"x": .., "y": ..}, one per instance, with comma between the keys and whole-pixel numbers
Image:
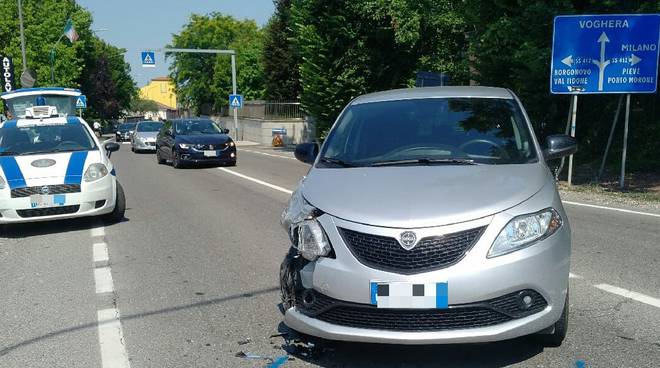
[
  {"x": 203, "y": 139},
  {"x": 47, "y": 169},
  {"x": 146, "y": 134},
  {"x": 421, "y": 196}
]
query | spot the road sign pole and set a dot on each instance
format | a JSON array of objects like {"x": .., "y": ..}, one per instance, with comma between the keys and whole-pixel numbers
[
  {"x": 20, "y": 21},
  {"x": 233, "y": 83},
  {"x": 609, "y": 139},
  {"x": 625, "y": 142},
  {"x": 570, "y": 158}
]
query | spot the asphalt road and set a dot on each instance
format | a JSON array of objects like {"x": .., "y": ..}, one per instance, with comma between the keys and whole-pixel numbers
[{"x": 192, "y": 276}]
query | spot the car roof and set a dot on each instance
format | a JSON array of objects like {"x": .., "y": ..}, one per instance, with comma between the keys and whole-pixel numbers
[
  {"x": 40, "y": 90},
  {"x": 435, "y": 92},
  {"x": 192, "y": 119},
  {"x": 149, "y": 121}
]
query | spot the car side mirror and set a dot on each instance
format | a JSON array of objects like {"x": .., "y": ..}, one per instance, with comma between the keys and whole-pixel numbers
[
  {"x": 307, "y": 152},
  {"x": 111, "y": 147},
  {"x": 225, "y": 131},
  {"x": 558, "y": 146}
]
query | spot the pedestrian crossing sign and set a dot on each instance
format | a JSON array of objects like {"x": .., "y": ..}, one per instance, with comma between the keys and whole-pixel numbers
[
  {"x": 81, "y": 102},
  {"x": 236, "y": 101},
  {"x": 148, "y": 59}
]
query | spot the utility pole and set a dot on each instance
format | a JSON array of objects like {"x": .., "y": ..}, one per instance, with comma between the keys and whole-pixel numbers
[
  {"x": 20, "y": 22},
  {"x": 233, "y": 82}
]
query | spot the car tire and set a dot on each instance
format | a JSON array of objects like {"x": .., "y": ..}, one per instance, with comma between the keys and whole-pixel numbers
[
  {"x": 176, "y": 161},
  {"x": 159, "y": 159},
  {"x": 288, "y": 276},
  {"x": 559, "y": 329},
  {"x": 133, "y": 149},
  {"x": 232, "y": 163},
  {"x": 117, "y": 214}
]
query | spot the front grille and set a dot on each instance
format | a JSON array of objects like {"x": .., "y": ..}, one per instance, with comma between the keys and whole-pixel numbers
[
  {"x": 209, "y": 147},
  {"x": 49, "y": 211},
  {"x": 385, "y": 253},
  {"x": 52, "y": 189},
  {"x": 462, "y": 316}
]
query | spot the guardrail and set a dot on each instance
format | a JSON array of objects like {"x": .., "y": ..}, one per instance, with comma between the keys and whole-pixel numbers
[{"x": 270, "y": 110}]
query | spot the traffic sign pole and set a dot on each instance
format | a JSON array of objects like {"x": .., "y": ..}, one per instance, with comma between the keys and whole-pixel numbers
[
  {"x": 609, "y": 139},
  {"x": 573, "y": 122},
  {"x": 625, "y": 142},
  {"x": 233, "y": 82}
]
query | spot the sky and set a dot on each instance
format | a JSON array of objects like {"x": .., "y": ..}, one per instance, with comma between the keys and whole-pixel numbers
[{"x": 138, "y": 25}]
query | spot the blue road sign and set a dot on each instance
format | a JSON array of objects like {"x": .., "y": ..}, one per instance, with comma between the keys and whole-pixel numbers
[
  {"x": 605, "y": 53},
  {"x": 148, "y": 59},
  {"x": 81, "y": 102},
  {"x": 236, "y": 101}
]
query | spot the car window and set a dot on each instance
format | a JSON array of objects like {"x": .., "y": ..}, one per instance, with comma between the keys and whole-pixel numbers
[
  {"x": 197, "y": 127},
  {"x": 149, "y": 126},
  {"x": 485, "y": 130},
  {"x": 44, "y": 139}
]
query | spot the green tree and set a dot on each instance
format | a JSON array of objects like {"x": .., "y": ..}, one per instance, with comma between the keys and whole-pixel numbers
[
  {"x": 203, "y": 81},
  {"x": 107, "y": 82},
  {"x": 144, "y": 105},
  {"x": 350, "y": 48},
  {"x": 280, "y": 59}
]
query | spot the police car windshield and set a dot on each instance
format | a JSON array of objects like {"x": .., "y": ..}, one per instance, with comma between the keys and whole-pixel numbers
[
  {"x": 36, "y": 139},
  {"x": 149, "y": 126},
  {"x": 65, "y": 104}
]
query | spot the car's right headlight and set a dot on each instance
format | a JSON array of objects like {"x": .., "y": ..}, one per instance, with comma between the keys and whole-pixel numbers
[
  {"x": 95, "y": 172},
  {"x": 185, "y": 146},
  {"x": 305, "y": 232},
  {"x": 525, "y": 230}
]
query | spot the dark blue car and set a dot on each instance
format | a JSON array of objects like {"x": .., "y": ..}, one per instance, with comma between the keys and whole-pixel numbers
[{"x": 194, "y": 141}]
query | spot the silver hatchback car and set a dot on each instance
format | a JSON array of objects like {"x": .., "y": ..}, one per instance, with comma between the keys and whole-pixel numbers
[{"x": 429, "y": 216}]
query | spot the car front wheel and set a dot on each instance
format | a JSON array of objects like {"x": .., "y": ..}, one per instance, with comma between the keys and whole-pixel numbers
[
  {"x": 118, "y": 212},
  {"x": 559, "y": 329},
  {"x": 176, "y": 160}
]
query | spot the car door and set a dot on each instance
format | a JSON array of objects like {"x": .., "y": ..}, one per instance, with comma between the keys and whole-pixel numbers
[
  {"x": 161, "y": 140},
  {"x": 168, "y": 139}
]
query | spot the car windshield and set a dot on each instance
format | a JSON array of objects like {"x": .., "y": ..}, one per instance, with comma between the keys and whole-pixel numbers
[
  {"x": 196, "y": 127},
  {"x": 26, "y": 140},
  {"x": 427, "y": 131},
  {"x": 149, "y": 126},
  {"x": 126, "y": 127},
  {"x": 65, "y": 104}
]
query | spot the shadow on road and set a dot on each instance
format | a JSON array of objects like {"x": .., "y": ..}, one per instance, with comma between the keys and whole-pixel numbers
[
  {"x": 8, "y": 349},
  {"x": 25, "y": 230}
]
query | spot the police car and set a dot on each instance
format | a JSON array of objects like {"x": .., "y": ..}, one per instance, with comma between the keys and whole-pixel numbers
[{"x": 52, "y": 166}]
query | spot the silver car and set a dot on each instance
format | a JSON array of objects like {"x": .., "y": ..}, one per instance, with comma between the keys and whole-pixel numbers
[
  {"x": 144, "y": 137},
  {"x": 429, "y": 216}
]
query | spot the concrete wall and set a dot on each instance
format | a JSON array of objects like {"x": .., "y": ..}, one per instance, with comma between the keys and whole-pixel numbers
[{"x": 261, "y": 131}]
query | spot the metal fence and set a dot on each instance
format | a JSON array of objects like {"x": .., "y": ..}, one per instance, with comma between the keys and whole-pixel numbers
[{"x": 271, "y": 110}]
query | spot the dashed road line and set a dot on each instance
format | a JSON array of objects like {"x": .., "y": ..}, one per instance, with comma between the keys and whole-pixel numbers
[
  {"x": 612, "y": 209},
  {"x": 103, "y": 280},
  {"x": 97, "y": 231},
  {"x": 574, "y": 276},
  {"x": 100, "y": 253},
  {"x": 255, "y": 180},
  {"x": 629, "y": 294},
  {"x": 111, "y": 339},
  {"x": 268, "y": 154}
]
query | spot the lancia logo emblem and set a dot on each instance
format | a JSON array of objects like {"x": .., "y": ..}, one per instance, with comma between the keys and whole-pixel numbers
[
  {"x": 45, "y": 189},
  {"x": 408, "y": 240}
]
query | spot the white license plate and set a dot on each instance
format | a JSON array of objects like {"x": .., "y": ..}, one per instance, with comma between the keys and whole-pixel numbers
[
  {"x": 409, "y": 295},
  {"x": 46, "y": 200},
  {"x": 210, "y": 153}
]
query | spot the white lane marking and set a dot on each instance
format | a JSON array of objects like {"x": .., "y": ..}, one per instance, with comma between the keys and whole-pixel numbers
[
  {"x": 103, "y": 280},
  {"x": 111, "y": 339},
  {"x": 268, "y": 154},
  {"x": 629, "y": 294},
  {"x": 100, "y": 252},
  {"x": 98, "y": 231},
  {"x": 574, "y": 276},
  {"x": 125, "y": 142},
  {"x": 269, "y": 185},
  {"x": 612, "y": 209}
]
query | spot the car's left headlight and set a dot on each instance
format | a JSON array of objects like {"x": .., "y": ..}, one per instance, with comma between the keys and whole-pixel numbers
[
  {"x": 232, "y": 144},
  {"x": 525, "y": 230},
  {"x": 305, "y": 232},
  {"x": 95, "y": 172}
]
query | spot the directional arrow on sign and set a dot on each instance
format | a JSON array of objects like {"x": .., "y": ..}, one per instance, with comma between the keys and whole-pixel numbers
[
  {"x": 602, "y": 63},
  {"x": 568, "y": 60},
  {"x": 634, "y": 59}
]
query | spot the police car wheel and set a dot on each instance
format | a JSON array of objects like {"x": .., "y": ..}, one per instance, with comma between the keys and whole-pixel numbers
[{"x": 117, "y": 213}]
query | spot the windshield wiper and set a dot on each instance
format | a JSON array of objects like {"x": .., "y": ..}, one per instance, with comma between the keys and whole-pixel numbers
[
  {"x": 336, "y": 161},
  {"x": 10, "y": 153},
  {"x": 426, "y": 161}
]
